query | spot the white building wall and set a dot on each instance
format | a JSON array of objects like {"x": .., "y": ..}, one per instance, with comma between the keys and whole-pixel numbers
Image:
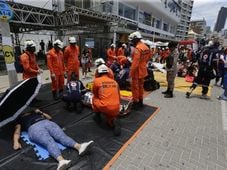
[{"x": 159, "y": 10}]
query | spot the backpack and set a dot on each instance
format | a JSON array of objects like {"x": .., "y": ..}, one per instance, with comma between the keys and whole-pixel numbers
[{"x": 18, "y": 66}]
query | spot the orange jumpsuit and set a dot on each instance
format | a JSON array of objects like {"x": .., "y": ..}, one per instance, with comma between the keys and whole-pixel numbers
[
  {"x": 119, "y": 58},
  {"x": 30, "y": 66},
  {"x": 71, "y": 54},
  {"x": 120, "y": 51},
  {"x": 111, "y": 55},
  {"x": 122, "y": 60},
  {"x": 55, "y": 62},
  {"x": 138, "y": 70},
  {"x": 106, "y": 97},
  {"x": 110, "y": 73}
]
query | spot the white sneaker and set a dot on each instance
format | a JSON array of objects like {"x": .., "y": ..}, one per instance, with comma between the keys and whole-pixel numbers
[
  {"x": 64, "y": 164},
  {"x": 84, "y": 146}
]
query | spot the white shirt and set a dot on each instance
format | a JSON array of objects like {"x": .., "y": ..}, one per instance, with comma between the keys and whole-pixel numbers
[{"x": 224, "y": 59}]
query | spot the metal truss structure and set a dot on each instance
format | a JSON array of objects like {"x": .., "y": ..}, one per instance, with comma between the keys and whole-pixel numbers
[{"x": 29, "y": 18}]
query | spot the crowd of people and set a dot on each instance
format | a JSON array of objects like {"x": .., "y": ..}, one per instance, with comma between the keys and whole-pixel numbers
[{"x": 126, "y": 67}]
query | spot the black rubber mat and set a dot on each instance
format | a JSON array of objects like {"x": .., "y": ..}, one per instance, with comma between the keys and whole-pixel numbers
[{"x": 79, "y": 126}]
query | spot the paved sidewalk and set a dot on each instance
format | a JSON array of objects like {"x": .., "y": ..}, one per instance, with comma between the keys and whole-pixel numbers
[
  {"x": 4, "y": 81},
  {"x": 185, "y": 134}
]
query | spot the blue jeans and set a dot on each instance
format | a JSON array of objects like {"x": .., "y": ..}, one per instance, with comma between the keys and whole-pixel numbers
[{"x": 45, "y": 133}]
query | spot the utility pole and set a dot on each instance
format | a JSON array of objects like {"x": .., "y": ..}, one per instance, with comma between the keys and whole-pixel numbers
[{"x": 7, "y": 47}]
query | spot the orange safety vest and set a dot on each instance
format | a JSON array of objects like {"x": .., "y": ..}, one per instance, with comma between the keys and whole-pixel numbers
[
  {"x": 106, "y": 95},
  {"x": 71, "y": 54},
  {"x": 55, "y": 62},
  {"x": 30, "y": 66},
  {"x": 110, "y": 55},
  {"x": 140, "y": 58},
  {"x": 120, "y": 51}
]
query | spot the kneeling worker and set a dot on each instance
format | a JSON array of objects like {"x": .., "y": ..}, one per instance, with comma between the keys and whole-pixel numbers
[
  {"x": 106, "y": 99},
  {"x": 75, "y": 91}
]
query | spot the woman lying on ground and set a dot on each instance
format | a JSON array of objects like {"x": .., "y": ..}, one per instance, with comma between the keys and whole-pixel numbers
[{"x": 44, "y": 132}]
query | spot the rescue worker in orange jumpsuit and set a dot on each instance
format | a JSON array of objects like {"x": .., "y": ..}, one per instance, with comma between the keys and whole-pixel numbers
[
  {"x": 106, "y": 99},
  {"x": 138, "y": 70},
  {"x": 122, "y": 50},
  {"x": 111, "y": 54},
  {"x": 71, "y": 54},
  {"x": 28, "y": 61},
  {"x": 55, "y": 62},
  {"x": 99, "y": 62}
]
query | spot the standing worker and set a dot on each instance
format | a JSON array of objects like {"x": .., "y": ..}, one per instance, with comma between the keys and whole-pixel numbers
[
  {"x": 138, "y": 69},
  {"x": 71, "y": 54},
  {"x": 55, "y": 62},
  {"x": 122, "y": 50},
  {"x": 106, "y": 99},
  {"x": 85, "y": 61},
  {"x": 28, "y": 61},
  {"x": 171, "y": 67},
  {"x": 111, "y": 54}
]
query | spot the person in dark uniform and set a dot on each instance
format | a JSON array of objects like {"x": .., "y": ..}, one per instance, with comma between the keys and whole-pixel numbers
[
  {"x": 75, "y": 91},
  {"x": 205, "y": 73}
]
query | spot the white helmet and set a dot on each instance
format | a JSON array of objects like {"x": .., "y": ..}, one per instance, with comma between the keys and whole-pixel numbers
[
  {"x": 124, "y": 45},
  {"x": 113, "y": 45},
  {"x": 134, "y": 35},
  {"x": 103, "y": 69},
  {"x": 210, "y": 43},
  {"x": 72, "y": 40},
  {"x": 99, "y": 61},
  {"x": 58, "y": 43},
  {"x": 29, "y": 43}
]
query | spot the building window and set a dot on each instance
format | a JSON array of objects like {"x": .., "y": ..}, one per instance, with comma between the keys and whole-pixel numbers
[
  {"x": 129, "y": 13},
  {"x": 158, "y": 23},
  {"x": 145, "y": 18},
  {"x": 79, "y": 3},
  {"x": 126, "y": 11},
  {"x": 165, "y": 27},
  {"x": 121, "y": 10},
  {"x": 86, "y": 4}
]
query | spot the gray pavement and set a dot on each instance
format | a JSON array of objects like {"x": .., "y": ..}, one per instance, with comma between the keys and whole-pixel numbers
[{"x": 184, "y": 134}]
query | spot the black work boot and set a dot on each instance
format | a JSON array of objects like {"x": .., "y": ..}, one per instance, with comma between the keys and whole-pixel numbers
[
  {"x": 78, "y": 106},
  {"x": 97, "y": 118},
  {"x": 135, "y": 106},
  {"x": 117, "y": 127},
  {"x": 67, "y": 106},
  {"x": 60, "y": 93},
  {"x": 169, "y": 95},
  {"x": 166, "y": 92},
  {"x": 141, "y": 103},
  {"x": 188, "y": 94},
  {"x": 54, "y": 93}
]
